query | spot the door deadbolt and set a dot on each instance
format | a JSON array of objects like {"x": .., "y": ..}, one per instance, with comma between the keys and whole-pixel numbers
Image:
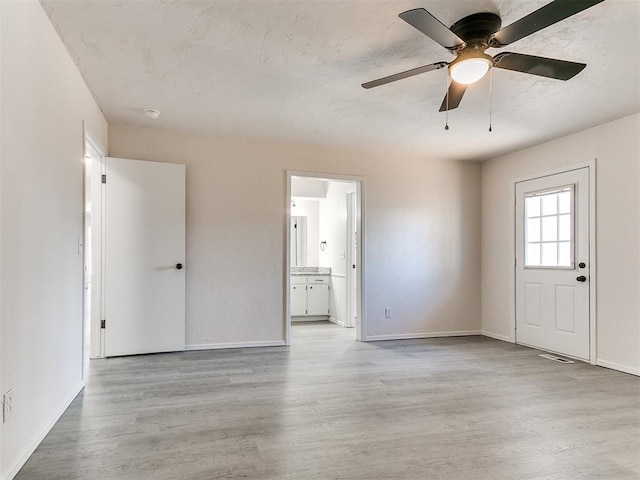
[{"x": 582, "y": 265}]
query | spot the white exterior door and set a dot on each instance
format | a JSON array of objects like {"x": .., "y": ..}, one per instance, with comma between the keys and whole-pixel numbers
[
  {"x": 144, "y": 256},
  {"x": 552, "y": 263}
]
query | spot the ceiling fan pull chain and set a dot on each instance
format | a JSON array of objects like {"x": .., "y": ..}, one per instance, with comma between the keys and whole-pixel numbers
[
  {"x": 446, "y": 113},
  {"x": 490, "y": 97}
]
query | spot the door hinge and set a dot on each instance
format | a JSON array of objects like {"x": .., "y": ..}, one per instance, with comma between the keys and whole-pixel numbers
[
  {"x": 104, "y": 179},
  {"x": 103, "y": 324}
]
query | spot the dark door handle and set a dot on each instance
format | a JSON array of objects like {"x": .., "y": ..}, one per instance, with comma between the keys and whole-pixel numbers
[
  {"x": 179, "y": 266},
  {"x": 581, "y": 278}
]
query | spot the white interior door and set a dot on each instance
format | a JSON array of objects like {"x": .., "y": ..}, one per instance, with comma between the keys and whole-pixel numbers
[
  {"x": 145, "y": 252},
  {"x": 552, "y": 263}
]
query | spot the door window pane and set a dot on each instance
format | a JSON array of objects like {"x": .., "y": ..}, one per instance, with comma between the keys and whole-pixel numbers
[
  {"x": 550, "y": 254},
  {"x": 548, "y": 219},
  {"x": 549, "y": 204},
  {"x": 564, "y": 254},
  {"x": 564, "y": 202},
  {"x": 550, "y": 228},
  {"x": 533, "y": 230},
  {"x": 533, "y": 206},
  {"x": 533, "y": 254},
  {"x": 564, "y": 227}
]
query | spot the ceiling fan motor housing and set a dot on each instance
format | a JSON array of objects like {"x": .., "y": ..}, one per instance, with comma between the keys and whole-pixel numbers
[
  {"x": 471, "y": 63},
  {"x": 476, "y": 30}
]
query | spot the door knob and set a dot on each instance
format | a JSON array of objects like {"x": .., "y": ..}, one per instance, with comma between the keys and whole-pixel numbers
[
  {"x": 179, "y": 266},
  {"x": 581, "y": 278}
]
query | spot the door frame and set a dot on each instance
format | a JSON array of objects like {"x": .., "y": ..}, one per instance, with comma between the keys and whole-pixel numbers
[
  {"x": 591, "y": 166},
  {"x": 361, "y": 324},
  {"x": 352, "y": 197},
  {"x": 96, "y": 342}
]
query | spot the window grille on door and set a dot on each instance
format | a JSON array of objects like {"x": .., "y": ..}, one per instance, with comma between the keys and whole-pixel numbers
[{"x": 549, "y": 228}]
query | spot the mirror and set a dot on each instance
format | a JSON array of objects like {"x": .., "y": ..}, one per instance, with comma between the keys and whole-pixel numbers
[{"x": 298, "y": 241}]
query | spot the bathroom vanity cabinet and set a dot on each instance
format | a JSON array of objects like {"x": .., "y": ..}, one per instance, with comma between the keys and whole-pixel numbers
[{"x": 309, "y": 295}]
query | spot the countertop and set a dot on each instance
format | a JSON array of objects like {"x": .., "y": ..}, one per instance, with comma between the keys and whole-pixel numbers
[{"x": 310, "y": 271}]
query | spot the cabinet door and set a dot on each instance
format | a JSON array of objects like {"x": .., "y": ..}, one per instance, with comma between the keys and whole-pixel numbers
[
  {"x": 318, "y": 300},
  {"x": 298, "y": 300}
]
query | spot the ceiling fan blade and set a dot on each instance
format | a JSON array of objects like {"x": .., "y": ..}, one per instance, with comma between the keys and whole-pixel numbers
[
  {"x": 455, "y": 93},
  {"x": 432, "y": 27},
  {"x": 542, "y": 18},
  {"x": 407, "y": 74},
  {"x": 541, "y": 66}
]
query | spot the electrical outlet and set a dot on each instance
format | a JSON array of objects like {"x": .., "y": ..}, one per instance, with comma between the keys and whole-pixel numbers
[
  {"x": 387, "y": 313},
  {"x": 7, "y": 406}
]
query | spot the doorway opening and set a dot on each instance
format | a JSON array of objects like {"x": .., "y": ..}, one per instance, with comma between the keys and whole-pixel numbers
[{"x": 324, "y": 246}]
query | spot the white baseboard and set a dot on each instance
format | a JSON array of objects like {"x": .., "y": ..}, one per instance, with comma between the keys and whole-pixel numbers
[
  {"x": 617, "y": 366},
  {"x": 220, "y": 346},
  {"x": 310, "y": 318},
  {"x": 407, "y": 336},
  {"x": 497, "y": 336},
  {"x": 336, "y": 321},
  {"x": 15, "y": 467}
]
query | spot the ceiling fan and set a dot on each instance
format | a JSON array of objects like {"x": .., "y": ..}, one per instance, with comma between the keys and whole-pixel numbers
[{"x": 469, "y": 37}]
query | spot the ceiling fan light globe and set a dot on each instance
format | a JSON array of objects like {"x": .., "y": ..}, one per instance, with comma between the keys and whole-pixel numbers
[{"x": 469, "y": 70}]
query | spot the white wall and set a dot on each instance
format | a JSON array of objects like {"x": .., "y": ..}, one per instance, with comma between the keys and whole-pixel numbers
[
  {"x": 333, "y": 230},
  {"x": 422, "y": 231},
  {"x": 308, "y": 187},
  {"x": 44, "y": 102},
  {"x": 616, "y": 145}
]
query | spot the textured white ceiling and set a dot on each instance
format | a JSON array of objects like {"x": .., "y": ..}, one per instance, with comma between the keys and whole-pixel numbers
[{"x": 292, "y": 70}]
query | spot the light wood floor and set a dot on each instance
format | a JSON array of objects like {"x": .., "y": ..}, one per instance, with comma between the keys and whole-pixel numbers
[{"x": 329, "y": 407}]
